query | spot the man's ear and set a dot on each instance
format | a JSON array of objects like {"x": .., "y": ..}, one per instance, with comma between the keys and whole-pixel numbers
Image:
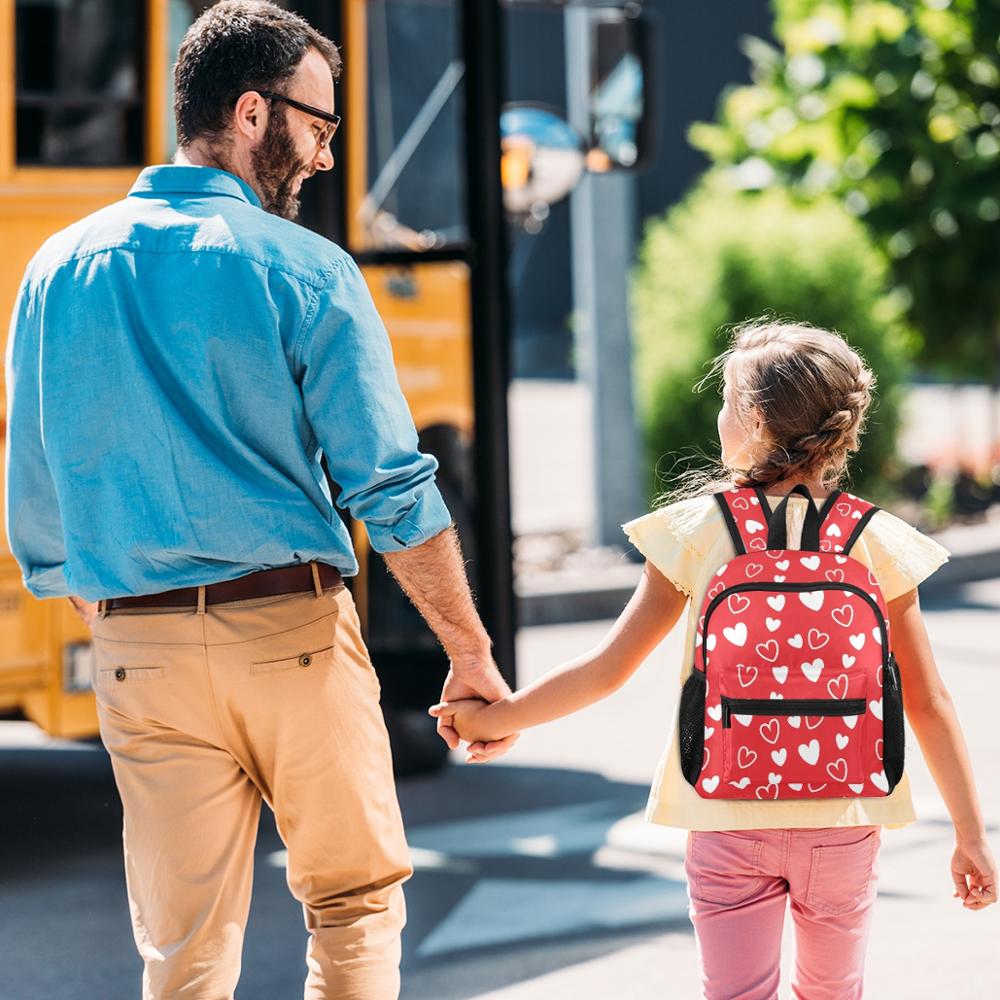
[{"x": 250, "y": 116}]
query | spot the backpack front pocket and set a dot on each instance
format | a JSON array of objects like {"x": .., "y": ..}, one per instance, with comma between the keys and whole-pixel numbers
[{"x": 793, "y": 748}]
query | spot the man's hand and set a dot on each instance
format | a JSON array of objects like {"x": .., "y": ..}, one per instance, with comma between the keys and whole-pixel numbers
[
  {"x": 433, "y": 576},
  {"x": 87, "y": 610},
  {"x": 471, "y": 679},
  {"x": 475, "y": 720}
]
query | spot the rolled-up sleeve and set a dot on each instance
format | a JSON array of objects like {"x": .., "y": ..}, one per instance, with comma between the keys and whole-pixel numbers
[
  {"x": 361, "y": 420},
  {"x": 33, "y": 522}
]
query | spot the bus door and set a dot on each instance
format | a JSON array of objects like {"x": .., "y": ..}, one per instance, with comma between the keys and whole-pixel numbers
[{"x": 416, "y": 198}]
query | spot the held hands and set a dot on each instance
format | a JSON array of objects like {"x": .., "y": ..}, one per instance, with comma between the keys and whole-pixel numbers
[
  {"x": 477, "y": 678},
  {"x": 470, "y": 718},
  {"x": 974, "y": 873}
]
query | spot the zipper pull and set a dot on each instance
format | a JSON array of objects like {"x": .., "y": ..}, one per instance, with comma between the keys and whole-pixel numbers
[{"x": 725, "y": 715}]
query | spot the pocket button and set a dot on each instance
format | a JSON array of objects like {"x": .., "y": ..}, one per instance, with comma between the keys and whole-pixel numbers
[
  {"x": 305, "y": 659},
  {"x": 120, "y": 674}
]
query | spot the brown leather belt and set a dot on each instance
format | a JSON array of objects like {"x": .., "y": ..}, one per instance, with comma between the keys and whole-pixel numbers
[{"x": 263, "y": 583}]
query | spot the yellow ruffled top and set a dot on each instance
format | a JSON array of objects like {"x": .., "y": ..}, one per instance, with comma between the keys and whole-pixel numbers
[{"x": 687, "y": 542}]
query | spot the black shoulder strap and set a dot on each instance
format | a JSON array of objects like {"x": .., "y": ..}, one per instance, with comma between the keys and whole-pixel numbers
[
  {"x": 842, "y": 525},
  {"x": 745, "y": 521}
]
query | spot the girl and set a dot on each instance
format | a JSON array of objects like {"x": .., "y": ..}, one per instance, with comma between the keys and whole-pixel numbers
[{"x": 795, "y": 400}]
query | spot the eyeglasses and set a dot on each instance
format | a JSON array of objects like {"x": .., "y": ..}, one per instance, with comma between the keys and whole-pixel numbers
[{"x": 324, "y": 137}]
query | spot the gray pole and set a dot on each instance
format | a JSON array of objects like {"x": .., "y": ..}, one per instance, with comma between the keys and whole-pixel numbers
[{"x": 603, "y": 222}]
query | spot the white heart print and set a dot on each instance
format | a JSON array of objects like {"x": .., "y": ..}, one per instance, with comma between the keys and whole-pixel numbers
[
  {"x": 768, "y": 650},
  {"x": 736, "y": 634},
  {"x": 818, "y": 639},
  {"x": 812, "y": 599},
  {"x": 812, "y": 669},
  {"x": 843, "y": 615},
  {"x": 738, "y": 603}
]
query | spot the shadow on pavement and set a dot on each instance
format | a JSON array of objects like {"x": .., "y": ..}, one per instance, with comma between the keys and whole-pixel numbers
[{"x": 508, "y": 882}]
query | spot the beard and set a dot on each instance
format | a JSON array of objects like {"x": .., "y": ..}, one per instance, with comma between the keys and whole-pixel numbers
[{"x": 276, "y": 168}]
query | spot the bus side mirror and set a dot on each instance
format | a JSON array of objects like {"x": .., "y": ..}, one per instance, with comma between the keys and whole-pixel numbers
[
  {"x": 542, "y": 158},
  {"x": 622, "y": 44}
]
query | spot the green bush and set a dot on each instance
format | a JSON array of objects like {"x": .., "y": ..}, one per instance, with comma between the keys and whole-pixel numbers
[{"x": 725, "y": 256}]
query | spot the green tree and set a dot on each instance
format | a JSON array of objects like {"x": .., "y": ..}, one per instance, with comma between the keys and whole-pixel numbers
[
  {"x": 894, "y": 107},
  {"x": 724, "y": 256}
]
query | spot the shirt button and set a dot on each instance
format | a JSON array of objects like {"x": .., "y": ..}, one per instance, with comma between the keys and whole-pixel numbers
[
  {"x": 305, "y": 659},
  {"x": 120, "y": 674}
]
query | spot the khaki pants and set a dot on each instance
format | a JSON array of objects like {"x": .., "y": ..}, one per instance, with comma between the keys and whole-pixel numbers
[{"x": 207, "y": 712}]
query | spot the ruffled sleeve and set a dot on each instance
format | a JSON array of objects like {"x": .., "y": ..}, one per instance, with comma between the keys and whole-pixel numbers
[
  {"x": 901, "y": 556},
  {"x": 676, "y": 539}
]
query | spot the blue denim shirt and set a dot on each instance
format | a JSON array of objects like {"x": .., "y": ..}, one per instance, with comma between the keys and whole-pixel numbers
[{"x": 177, "y": 365}]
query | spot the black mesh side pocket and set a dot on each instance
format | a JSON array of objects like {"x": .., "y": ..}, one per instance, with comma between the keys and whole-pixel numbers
[
  {"x": 892, "y": 724},
  {"x": 692, "y": 726}
]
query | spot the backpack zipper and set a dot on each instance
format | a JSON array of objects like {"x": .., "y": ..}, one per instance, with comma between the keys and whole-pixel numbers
[
  {"x": 773, "y": 587},
  {"x": 789, "y": 706}
]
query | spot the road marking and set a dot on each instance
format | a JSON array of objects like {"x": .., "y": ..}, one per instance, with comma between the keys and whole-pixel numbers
[{"x": 505, "y": 911}]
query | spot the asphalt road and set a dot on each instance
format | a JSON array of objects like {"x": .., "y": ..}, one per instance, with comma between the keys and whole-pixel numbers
[{"x": 535, "y": 877}]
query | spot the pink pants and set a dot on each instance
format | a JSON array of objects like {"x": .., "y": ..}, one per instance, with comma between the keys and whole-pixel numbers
[{"x": 738, "y": 882}]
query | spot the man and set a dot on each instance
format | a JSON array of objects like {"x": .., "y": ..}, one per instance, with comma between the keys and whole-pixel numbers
[{"x": 178, "y": 364}]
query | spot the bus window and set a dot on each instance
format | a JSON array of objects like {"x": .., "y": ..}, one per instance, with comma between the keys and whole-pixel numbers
[
  {"x": 415, "y": 171},
  {"x": 80, "y": 82}
]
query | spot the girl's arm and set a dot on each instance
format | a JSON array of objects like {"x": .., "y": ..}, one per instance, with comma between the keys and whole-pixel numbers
[
  {"x": 650, "y": 614},
  {"x": 932, "y": 717}
]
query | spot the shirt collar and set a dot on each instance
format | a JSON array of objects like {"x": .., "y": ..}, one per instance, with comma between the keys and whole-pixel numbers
[{"x": 175, "y": 178}]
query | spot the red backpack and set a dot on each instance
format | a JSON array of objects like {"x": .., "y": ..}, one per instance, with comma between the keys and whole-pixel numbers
[{"x": 795, "y": 693}]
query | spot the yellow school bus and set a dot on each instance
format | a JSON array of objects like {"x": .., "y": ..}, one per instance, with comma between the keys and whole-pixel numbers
[
  {"x": 416, "y": 197},
  {"x": 84, "y": 104}
]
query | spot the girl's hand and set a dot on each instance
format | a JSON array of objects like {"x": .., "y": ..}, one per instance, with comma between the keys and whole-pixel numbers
[
  {"x": 469, "y": 717},
  {"x": 974, "y": 873},
  {"x": 473, "y": 679}
]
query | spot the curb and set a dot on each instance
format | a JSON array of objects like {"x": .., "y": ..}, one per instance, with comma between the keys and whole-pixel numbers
[{"x": 559, "y": 599}]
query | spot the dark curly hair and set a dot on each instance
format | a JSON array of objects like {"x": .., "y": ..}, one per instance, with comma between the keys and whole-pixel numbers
[{"x": 236, "y": 46}]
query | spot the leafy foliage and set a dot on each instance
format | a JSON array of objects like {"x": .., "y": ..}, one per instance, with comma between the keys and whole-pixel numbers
[
  {"x": 893, "y": 106},
  {"x": 724, "y": 256}
]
